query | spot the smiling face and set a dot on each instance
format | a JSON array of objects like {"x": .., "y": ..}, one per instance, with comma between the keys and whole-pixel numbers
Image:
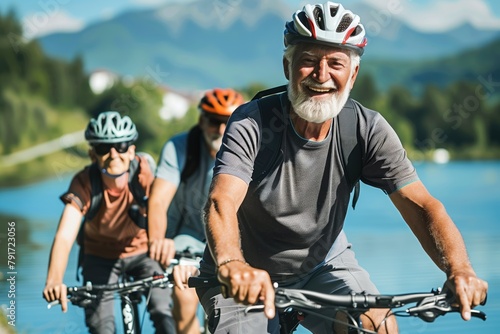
[
  {"x": 111, "y": 160},
  {"x": 320, "y": 80}
]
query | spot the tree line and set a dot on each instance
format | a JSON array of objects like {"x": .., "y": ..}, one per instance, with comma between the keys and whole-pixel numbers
[{"x": 462, "y": 117}]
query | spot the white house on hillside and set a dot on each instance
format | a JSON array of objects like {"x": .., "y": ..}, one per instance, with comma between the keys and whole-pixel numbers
[{"x": 100, "y": 80}]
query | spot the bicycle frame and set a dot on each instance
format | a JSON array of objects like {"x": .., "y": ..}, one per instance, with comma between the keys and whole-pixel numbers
[
  {"x": 129, "y": 307},
  {"x": 130, "y": 315}
]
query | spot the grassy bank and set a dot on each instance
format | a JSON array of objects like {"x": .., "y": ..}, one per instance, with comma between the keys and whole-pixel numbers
[
  {"x": 5, "y": 328},
  {"x": 50, "y": 166}
]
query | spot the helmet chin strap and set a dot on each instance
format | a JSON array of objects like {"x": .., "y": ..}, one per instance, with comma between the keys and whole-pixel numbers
[{"x": 114, "y": 176}]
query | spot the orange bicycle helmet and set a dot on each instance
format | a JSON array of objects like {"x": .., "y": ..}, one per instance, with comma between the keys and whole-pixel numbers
[{"x": 221, "y": 102}]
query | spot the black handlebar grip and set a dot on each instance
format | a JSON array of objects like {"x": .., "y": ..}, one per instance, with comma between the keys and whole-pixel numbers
[{"x": 203, "y": 282}]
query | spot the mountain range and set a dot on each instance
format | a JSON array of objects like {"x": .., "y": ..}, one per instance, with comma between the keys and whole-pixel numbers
[{"x": 204, "y": 44}]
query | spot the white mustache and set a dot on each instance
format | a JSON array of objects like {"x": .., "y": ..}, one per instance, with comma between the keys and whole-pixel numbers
[{"x": 330, "y": 84}]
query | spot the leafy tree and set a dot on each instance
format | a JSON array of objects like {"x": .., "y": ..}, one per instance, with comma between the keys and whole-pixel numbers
[
  {"x": 81, "y": 92},
  {"x": 365, "y": 90},
  {"x": 252, "y": 89},
  {"x": 32, "y": 88},
  {"x": 493, "y": 125},
  {"x": 10, "y": 37},
  {"x": 430, "y": 129},
  {"x": 464, "y": 114}
]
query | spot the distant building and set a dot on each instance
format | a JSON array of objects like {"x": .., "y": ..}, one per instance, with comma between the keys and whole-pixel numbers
[
  {"x": 174, "y": 106},
  {"x": 101, "y": 80}
]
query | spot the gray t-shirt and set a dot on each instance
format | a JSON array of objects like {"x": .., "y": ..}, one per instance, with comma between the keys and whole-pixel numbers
[
  {"x": 185, "y": 211},
  {"x": 290, "y": 220}
]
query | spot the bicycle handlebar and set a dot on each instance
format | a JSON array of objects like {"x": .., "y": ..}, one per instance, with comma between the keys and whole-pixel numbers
[
  {"x": 83, "y": 295},
  {"x": 428, "y": 305},
  {"x": 187, "y": 254}
]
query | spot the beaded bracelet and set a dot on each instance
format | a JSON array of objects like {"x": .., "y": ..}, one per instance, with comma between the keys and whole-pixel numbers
[{"x": 231, "y": 260}]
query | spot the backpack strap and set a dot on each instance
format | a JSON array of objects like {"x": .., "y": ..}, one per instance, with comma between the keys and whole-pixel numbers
[
  {"x": 137, "y": 211},
  {"x": 95, "y": 191},
  {"x": 192, "y": 162},
  {"x": 133, "y": 182},
  {"x": 352, "y": 155},
  {"x": 95, "y": 204},
  {"x": 193, "y": 152},
  {"x": 270, "y": 91},
  {"x": 273, "y": 130}
]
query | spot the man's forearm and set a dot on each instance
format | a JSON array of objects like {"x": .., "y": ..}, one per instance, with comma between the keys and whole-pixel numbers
[
  {"x": 221, "y": 221},
  {"x": 447, "y": 247},
  {"x": 433, "y": 227},
  {"x": 157, "y": 221},
  {"x": 162, "y": 193},
  {"x": 223, "y": 235},
  {"x": 58, "y": 262}
]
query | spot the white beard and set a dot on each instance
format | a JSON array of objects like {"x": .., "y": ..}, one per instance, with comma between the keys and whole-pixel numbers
[
  {"x": 214, "y": 142},
  {"x": 316, "y": 110}
]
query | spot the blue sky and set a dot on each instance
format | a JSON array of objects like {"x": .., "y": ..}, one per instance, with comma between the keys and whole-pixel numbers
[{"x": 40, "y": 17}]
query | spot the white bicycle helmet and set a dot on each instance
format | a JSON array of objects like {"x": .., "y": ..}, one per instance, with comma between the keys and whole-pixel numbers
[
  {"x": 110, "y": 127},
  {"x": 328, "y": 24}
]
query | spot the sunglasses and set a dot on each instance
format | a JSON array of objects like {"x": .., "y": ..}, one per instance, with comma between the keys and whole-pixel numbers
[
  {"x": 215, "y": 122},
  {"x": 102, "y": 149}
]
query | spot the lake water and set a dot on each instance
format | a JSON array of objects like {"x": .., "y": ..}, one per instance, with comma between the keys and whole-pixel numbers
[{"x": 382, "y": 241}]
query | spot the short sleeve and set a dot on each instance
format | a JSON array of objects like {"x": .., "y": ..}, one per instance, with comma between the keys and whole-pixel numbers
[
  {"x": 172, "y": 159},
  {"x": 386, "y": 164},
  {"x": 240, "y": 143},
  {"x": 78, "y": 193}
]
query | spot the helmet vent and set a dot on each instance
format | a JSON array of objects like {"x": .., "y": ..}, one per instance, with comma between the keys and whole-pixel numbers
[
  {"x": 303, "y": 19},
  {"x": 318, "y": 17},
  {"x": 344, "y": 23},
  {"x": 334, "y": 10},
  {"x": 357, "y": 31}
]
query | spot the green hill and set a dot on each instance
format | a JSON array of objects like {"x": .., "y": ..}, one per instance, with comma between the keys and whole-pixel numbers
[{"x": 477, "y": 65}]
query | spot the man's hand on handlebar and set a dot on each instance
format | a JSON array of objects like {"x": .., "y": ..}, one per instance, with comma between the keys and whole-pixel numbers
[
  {"x": 469, "y": 290},
  {"x": 247, "y": 285},
  {"x": 56, "y": 292},
  {"x": 162, "y": 250},
  {"x": 181, "y": 274}
]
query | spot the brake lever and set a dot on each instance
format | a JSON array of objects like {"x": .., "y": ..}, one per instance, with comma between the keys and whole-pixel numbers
[
  {"x": 285, "y": 299},
  {"x": 474, "y": 313},
  {"x": 432, "y": 307},
  {"x": 429, "y": 312},
  {"x": 478, "y": 314},
  {"x": 290, "y": 298}
]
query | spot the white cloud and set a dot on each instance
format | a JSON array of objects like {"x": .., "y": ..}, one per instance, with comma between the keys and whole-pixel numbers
[
  {"x": 44, "y": 22},
  {"x": 440, "y": 15},
  {"x": 107, "y": 13}
]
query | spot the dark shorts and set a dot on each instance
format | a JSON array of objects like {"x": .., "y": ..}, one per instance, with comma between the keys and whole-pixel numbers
[
  {"x": 341, "y": 275},
  {"x": 99, "y": 316}
]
